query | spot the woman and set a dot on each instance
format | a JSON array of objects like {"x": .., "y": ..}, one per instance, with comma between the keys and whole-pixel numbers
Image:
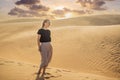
[{"x": 44, "y": 46}]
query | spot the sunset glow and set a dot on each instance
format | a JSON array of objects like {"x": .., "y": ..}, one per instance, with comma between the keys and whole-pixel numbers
[
  {"x": 59, "y": 8},
  {"x": 68, "y": 15}
]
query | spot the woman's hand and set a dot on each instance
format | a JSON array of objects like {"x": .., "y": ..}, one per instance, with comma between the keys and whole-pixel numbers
[
  {"x": 39, "y": 48},
  {"x": 38, "y": 42}
]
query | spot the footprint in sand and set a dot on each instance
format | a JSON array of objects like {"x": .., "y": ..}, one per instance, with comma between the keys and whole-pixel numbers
[
  {"x": 57, "y": 70},
  {"x": 19, "y": 64},
  {"x": 35, "y": 66},
  {"x": 86, "y": 77},
  {"x": 9, "y": 61},
  {"x": 43, "y": 78},
  {"x": 2, "y": 64},
  {"x": 51, "y": 76},
  {"x": 47, "y": 76},
  {"x": 66, "y": 70}
]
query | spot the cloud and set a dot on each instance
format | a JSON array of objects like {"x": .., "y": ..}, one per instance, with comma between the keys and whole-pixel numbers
[
  {"x": 32, "y": 9},
  {"x": 39, "y": 7},
  {"x": 25, "y": 13},
  {"x": 29, "y": 13},
  {"x": 27, "y": 2},
  {"x": 61, "y": 13},
  {"x": 92, "y": 4},
  {"x": 78, "y": 11}
]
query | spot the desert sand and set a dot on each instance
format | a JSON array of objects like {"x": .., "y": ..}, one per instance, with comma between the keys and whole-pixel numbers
[
  {"x": 80, "y": 52},
  {"x": 12, "y": 70}
]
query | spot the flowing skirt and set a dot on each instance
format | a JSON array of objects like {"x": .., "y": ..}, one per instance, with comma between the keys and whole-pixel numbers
[{"x": 46, "y": 53}]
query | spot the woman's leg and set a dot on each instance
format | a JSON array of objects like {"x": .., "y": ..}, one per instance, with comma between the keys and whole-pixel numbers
[
  {"x": 50, "y": 53},
  {"x": 44, "y": 69},
  {"x": 39, "y": 71}
]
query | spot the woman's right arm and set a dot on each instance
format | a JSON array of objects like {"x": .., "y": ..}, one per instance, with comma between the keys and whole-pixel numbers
[{"x": 38, "y": 40}]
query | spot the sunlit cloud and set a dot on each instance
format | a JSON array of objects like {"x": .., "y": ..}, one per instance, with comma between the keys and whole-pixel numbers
[
  {"x": 66, "y": 12},
  {"x": 59, "y": 8},
  {"x": 68, "y": 15}
]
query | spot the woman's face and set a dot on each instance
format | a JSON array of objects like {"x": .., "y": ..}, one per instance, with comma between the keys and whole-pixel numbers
[{"x": 47, "y": 24}]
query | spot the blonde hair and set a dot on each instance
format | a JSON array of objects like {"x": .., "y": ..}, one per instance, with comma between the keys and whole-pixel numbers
[{"x": 43, "y": 24}]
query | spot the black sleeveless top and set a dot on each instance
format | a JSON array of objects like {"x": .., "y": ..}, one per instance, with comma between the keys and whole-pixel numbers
[{"x": 45, "y": 35}]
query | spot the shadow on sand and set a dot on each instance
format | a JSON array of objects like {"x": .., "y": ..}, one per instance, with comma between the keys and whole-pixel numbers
[{"x": 40, "y": 78}]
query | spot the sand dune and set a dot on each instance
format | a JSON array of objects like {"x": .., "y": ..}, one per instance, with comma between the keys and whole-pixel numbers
[
  {"x": 12, "y": 70},
  {"x": 89, "y": 49},
  {"x": 92, "y": 20},
  {"x": 86, "y": 51}
]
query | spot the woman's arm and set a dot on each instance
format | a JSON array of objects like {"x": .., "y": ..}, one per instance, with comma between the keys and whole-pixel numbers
[{"x": 38, "y": 40}]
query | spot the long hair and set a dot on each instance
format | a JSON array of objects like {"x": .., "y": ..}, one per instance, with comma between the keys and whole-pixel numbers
[{"x": 43, "y": 24}]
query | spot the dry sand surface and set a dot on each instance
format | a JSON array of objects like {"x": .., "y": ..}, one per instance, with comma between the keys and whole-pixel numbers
[
  {"x": 80, "y": 52},
  {"x": 12, "y": 70}
]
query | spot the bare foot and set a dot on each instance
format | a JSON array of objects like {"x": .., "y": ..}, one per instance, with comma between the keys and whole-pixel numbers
[
  {"x": 37, "y": 73},
  {"x": 42, "y": 74}
]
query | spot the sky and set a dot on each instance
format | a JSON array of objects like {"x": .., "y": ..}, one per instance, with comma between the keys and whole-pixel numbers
[{"x": 58, "y": 9}]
